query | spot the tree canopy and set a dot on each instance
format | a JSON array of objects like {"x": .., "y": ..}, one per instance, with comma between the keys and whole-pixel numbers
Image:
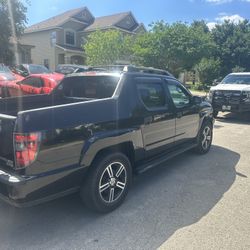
[
  {"x": 12, "y": 20},
  {"x": 104, "y": 48},
  {"x": 177, "y": 47},
  {"x": 233, "y": 45}
]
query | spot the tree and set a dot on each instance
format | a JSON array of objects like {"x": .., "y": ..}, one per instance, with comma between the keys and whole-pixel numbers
[
  {"x": 12, "y": 22},
  {"x": 237, "y": 68},
  {"x": 200, "y": 24},
  {"x": 175, "y": 47},
  {"x": 107, "y": 47},
  {"x": 208, "y": 69},
  {"x": 233, "y": 45}
]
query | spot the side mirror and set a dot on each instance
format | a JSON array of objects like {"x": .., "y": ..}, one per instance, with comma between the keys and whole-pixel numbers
[{"x": 197, "y": 99}]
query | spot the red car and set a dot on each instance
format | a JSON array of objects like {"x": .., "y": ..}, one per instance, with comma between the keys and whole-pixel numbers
[
  {"x": 32, "y": 85},
  {"x": 7, "y": 77}
]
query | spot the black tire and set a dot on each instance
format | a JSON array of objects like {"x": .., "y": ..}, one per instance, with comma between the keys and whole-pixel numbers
[
  {"x": 107, "y": 183},
  {"x": 204, "y": 138},
  {"x": 215, "y": 113}
]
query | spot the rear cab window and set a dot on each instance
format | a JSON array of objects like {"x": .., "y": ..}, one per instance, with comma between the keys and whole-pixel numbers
[{"x": 92, "y": 87}]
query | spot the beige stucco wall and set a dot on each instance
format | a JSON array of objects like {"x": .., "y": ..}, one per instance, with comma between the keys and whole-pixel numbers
[{"x": 43, "y": 48}]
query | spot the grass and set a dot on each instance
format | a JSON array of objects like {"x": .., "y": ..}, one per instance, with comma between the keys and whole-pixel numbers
[{"x": 199, "y": 92}]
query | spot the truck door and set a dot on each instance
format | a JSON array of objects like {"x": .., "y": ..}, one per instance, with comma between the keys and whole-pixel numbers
[
  {"x": 187, "y": 113},
  {"x": 158, "y": 129}
]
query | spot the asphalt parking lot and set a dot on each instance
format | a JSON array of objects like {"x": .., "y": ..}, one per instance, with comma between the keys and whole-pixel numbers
[{"x": 192, "y": 202}]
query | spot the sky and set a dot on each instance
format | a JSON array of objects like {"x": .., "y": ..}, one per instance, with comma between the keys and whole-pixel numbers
[{"x": 145, "y": 11}]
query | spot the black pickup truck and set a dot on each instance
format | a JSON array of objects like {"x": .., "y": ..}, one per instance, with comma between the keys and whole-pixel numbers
[{"x": 93, "y": 132}]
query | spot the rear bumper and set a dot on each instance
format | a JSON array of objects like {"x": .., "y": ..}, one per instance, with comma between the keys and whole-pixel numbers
[
  {"x": 10, "y": 186},
  {"x": 23, "y": 191}
]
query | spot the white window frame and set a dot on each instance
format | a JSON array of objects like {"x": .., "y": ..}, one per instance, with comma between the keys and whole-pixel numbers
[{"x": 73, "y": 31}]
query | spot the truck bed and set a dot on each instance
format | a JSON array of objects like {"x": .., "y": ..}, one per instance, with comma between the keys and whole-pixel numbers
[
  {"x": 12, "y": 106},
  {"x": 12, "y": 118}
]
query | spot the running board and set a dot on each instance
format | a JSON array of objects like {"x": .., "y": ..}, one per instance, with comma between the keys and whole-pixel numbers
[{"x": 161, "y": 159}]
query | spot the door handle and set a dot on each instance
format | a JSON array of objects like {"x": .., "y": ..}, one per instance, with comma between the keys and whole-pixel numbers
[
  {"x": 148, "y": 120},
  {"x": 179, "y": 114}
]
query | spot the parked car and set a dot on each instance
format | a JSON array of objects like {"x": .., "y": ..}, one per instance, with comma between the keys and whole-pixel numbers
[
  {"x": 31, "y": 69},
  {"x": 67, "y": 69},
  {"x": 7, "y": 78},
  {"x": 32, "y": 85},
  {"x": 232, "y": 94},
  {"x": 6, "y": 74},
  {"x": 95, "y": 130},
  {"x": 71, "y": 68}
]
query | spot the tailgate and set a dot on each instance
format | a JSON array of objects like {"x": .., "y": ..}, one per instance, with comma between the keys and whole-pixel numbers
[{"x": 7, "y": 124}]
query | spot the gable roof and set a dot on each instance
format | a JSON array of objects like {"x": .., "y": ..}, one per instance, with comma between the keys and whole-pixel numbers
[
  {"x": 54, "y": 21},
  {"x": 107, "y": 21}
]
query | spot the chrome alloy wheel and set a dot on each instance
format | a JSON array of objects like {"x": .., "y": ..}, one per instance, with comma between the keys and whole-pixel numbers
[
  {"x": 206, "y": 137},
  {"x": 112, "y": 182}
]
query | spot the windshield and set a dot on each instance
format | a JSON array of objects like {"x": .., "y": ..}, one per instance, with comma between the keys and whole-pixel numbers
[
  {"x": 96, "y": 87},
  {"x": 38, "y": 69},
  {"x": 65, "y": 69},
  {"x": 236, "y": 79}
]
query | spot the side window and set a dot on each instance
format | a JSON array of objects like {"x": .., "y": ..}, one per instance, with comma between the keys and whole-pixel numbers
[
  {"x": 34, "y": 82},
  {"x": 179, "y": 96},
  {"x": 151, "y": 94}
]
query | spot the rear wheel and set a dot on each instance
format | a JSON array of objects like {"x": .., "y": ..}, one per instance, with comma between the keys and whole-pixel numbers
[
  {"x": 107, "y": 183},
  {"x": 205, "y": 138}
]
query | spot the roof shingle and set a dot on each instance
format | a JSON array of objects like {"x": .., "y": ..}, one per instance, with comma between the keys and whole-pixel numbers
[
  {"x": 53, "y": 21},
  {"x": 106, "y": 21}
]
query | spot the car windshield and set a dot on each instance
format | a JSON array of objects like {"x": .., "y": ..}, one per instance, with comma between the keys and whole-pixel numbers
[
  {"x": 236, "y": 79},
  {"x": 38, "y": 69},
  {"x": 96, "y": 87}
]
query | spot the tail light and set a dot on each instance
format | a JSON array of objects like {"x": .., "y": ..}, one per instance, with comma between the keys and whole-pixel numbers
[{"x": 26, "y": 148}]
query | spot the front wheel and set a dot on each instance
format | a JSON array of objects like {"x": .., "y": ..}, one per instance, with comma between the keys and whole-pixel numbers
[
  {"x": 107, "y": 183},
  {"x": 215, "y": 113},
  {"x": 204, "y": 138}
]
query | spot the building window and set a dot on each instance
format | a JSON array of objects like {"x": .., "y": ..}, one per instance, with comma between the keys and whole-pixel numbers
[
  {"x": 69, "y": 37},
  {"x": 46, "y": 63}
]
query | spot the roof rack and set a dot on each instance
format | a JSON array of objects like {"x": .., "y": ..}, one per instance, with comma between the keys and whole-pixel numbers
[
  {"x": 132, "y": 68},
  {"x": 150, "y": 70}
]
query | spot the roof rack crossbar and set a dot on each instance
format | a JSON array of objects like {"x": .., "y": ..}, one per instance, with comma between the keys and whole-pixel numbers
[{"x": 150, "y": 70}]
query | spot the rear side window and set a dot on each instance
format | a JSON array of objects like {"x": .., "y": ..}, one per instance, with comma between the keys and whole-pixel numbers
[
  {"x": 33, "y": 81},
  {"x": 151, "y": 94}
]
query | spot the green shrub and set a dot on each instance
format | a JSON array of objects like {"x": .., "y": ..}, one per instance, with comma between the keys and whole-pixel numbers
[{"x": 208, "y": 69}]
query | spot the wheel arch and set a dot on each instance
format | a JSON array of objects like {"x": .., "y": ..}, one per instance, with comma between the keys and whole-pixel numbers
[{"x": 125, "y": 148}]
